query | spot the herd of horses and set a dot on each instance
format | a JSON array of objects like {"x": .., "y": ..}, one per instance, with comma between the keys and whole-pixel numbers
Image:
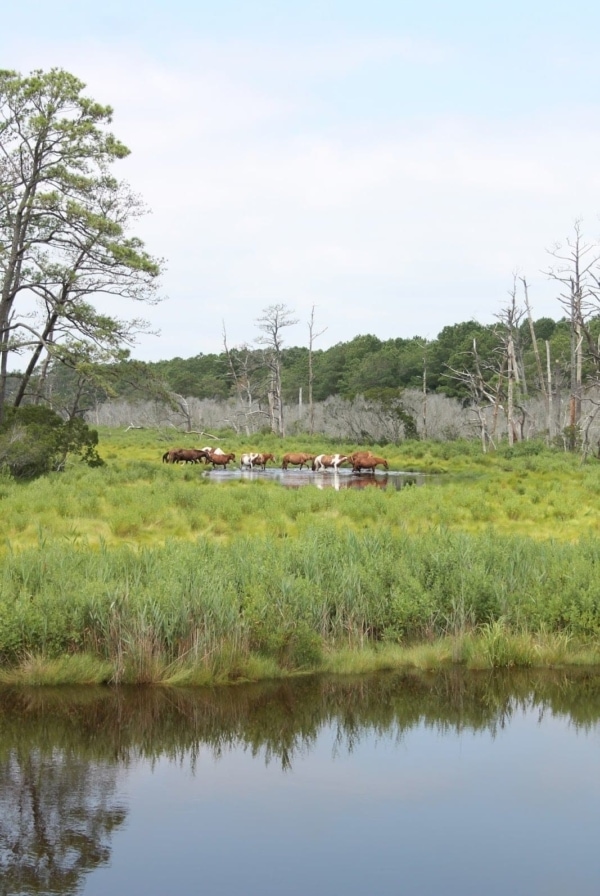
[{"x": 360, "y": 460}]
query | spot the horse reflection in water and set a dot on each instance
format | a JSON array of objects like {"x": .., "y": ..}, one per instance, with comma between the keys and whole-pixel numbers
[{"x": 336, "y": 480}]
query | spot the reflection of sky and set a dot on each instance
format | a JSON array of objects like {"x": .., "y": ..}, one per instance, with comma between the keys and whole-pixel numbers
[{"x": 431, "y": 813}]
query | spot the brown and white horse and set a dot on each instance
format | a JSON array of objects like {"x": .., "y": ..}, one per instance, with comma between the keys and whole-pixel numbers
[
  {"x": 255, "y": 459},
  {"x": 328, "y": 462}
]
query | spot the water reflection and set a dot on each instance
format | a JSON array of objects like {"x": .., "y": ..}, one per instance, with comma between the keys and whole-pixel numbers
[
  {"x": 66, "y": 757},
  {"x": 281, "y": 719},
  {"x": 58, "y": 811},
  {"x": 341, "y": 479}
]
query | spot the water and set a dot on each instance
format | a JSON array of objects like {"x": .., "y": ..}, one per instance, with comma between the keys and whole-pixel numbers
[
  {"x": 337, "y": 480},
  {"x": 453, "y": 783}
]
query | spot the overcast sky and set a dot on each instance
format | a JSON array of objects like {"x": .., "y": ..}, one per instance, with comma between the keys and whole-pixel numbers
[{"x": 391, "y": 163}]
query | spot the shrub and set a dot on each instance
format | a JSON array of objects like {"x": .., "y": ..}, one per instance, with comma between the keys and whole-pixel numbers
[{"x": 35, "y": 440}]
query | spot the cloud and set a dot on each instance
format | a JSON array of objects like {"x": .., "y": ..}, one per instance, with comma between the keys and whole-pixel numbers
[{"x": 396, "y": 227}]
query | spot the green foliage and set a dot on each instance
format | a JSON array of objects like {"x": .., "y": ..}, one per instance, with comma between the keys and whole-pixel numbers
[
  {"x": 364, "y": 366},
  {"x": 70, "y": 218},
  {"x": 35, "y": 440},
  {"x": 143, "y": 610}
]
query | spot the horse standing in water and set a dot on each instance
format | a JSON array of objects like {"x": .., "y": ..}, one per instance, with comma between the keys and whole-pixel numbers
[
  {"x": 364, "y": 460},
  {"x": 328, "y": 462},
  {"x": 220, "y": 460},
  {"x": 296, "y": 459}
]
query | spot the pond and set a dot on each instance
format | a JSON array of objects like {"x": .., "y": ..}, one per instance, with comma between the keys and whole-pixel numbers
[
  {"x": 401, "y": 783},
  {"x": 337, "y": 480}
]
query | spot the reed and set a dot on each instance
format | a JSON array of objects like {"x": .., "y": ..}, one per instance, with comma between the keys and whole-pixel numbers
[{"x": 153, "y": 612}]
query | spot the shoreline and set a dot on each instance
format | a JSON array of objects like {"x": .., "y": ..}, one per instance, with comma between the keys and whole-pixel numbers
[{"x": 493, "y": 647}]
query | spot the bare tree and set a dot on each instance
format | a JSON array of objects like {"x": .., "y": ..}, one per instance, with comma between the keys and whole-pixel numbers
[
  {"x": 545, "y": 388},
  {"x": 244, "y": 367},
  {"x": 311, "y": 341},
  {"x": 274, "y": 319},
  {"x": 485, "y": 392},
  {"x": 577, "y": 270},
  {"x": 510, "y": 319}
]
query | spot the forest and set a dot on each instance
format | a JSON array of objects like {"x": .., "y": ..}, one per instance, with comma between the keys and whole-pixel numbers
[{"x": 458, "y": 385}]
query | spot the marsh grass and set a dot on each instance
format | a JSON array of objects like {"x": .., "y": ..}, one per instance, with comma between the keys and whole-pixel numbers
[
  {"x": 78, "y": 669},
  {"x": 214, "y": 611},
  {"x": 484, "y": 651},
  {"x": 162, "y": 577}
]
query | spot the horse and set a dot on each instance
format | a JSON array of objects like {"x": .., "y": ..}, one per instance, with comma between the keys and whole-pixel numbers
[
  {"x": 184, "y": 455},
  {"x": 191, "y": 455},
  {"x": 328, "y": 462},
  {"x": 296, "y": 460},
  {"x": 364, "y": 460},
  {"x": 260, "y": 460},
  {"x": 255, "y": 460},
  {"x": 209, "y": 451},
  {"x": 170, "y": 456},
  {"x": 220, "y": 460}
]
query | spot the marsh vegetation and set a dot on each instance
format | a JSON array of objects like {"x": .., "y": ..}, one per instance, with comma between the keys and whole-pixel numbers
[{"x": 143, "y": 572}]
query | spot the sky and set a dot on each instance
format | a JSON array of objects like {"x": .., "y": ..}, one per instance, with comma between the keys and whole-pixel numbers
[{"x": 392, "y": 164}]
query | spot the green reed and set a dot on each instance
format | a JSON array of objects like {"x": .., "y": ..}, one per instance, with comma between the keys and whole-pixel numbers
[{"x": 214, "y": 604}]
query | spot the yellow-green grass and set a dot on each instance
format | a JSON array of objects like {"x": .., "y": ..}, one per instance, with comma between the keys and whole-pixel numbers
[{"x": 136, "y": 499}]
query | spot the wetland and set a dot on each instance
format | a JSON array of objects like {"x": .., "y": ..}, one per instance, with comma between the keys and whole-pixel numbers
[{"x": 144, "y": 572}]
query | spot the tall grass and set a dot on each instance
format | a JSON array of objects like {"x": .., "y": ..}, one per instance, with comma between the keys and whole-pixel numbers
[
  {"x": 152, "y": 569},
  {"x": 150, "y": 611}
]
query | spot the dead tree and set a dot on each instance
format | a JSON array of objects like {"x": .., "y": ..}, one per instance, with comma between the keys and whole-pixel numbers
[
  {"x": 577, "y": 272},
  {"x": 544, "y": 387},
  {"x": 485, "y": 393},
  {"x": 244, "y": 368},
  {"x": 274, "y": 319},
  {"x": 311, "y": 340},
  {"x": 510, "y": 319}
]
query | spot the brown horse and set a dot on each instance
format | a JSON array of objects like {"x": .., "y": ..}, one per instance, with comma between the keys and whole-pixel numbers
[
  {"x": 184, "y": 455},
  {"x": 170, "y": 456},
  {"x": 208, "y": 451},
  {"x": 220, "y": 460},
  {"x": 296, "y": 460},
  {"x": 364, "y": 460}
]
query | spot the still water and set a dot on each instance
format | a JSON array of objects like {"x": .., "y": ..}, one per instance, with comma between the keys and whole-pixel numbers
[
  {"x": 338, "y": 480},
  {"x": 397, "y": 784}
]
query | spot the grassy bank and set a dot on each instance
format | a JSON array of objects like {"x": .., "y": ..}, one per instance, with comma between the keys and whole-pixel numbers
[
  {"x": 144, "y": 572},
  {"x": 257, "y": 607}
]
